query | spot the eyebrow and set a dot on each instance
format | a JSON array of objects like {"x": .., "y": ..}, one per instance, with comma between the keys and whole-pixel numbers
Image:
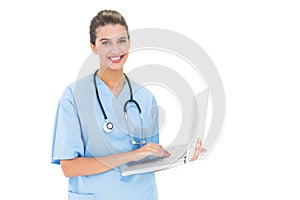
[
  {"x": 104, "y": 39},
  {"x": 124, "y": 37}
]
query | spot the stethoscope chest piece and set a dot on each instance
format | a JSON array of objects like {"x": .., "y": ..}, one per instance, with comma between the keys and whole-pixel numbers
[{"x": 108, "y": 127}]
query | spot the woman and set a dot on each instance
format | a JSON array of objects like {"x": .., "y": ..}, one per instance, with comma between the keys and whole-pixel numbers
[{"x": 92, "y": 140}]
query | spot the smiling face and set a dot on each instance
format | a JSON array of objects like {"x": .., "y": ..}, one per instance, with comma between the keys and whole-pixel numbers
[{"x": 112, "y": 46}]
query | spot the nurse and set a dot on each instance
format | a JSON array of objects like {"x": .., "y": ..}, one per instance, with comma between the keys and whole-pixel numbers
[{"x": 92, "y": 139}]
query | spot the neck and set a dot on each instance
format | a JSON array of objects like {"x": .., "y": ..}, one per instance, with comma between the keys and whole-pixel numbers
[{"x": 114, "y": 79}]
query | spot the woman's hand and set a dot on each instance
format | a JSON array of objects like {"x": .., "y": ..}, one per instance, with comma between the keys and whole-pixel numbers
[
  {"x": 150, "y": 149},
  {"x": 83, "y": 166},
  {"x": 198, "y": 150}
]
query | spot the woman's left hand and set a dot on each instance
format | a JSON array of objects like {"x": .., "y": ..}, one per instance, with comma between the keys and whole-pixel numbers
[{"x": 198, "y": 150}]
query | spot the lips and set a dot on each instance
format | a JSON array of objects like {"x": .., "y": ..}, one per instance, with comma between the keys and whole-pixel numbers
[{"x": 116, "y": 59}]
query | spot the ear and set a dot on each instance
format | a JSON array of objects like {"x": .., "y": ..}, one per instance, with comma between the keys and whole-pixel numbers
[{"x": 93, "y": 48}]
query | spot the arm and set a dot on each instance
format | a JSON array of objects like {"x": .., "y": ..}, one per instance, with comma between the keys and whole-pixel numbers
[{"x": 82, "y": 166}]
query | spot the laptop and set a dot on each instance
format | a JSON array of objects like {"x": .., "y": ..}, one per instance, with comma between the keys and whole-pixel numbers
[{"x": 180, "y": 153}]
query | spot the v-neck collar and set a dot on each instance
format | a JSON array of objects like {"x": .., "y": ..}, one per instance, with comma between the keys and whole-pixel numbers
[{"x": 104, "y": 89}]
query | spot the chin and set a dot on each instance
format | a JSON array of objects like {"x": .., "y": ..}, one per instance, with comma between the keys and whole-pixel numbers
[{"x": 115, "y": 68}]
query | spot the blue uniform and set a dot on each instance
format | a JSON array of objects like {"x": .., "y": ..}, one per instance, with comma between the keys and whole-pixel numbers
[{"x": 78, "y": 133}]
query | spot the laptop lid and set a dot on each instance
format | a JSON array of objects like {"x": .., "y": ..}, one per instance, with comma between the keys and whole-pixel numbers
[
  {"x": 196, "y": 129},
  {"x": 198, "y": 121}
]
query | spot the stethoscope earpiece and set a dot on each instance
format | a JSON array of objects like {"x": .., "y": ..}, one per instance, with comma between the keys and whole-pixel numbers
[{"x": 133, "y": 142}]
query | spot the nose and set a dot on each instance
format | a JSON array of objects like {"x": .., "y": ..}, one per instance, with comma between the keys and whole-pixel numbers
[{"x": 115, "y": 49}]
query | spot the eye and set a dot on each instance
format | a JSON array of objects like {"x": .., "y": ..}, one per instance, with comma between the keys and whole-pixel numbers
[
  {"x": 122, "y": 41},
  {"x": 105, "y": 42}
]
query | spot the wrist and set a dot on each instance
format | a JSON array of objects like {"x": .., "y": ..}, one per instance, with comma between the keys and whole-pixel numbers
[{"x": 135, "y": 155}]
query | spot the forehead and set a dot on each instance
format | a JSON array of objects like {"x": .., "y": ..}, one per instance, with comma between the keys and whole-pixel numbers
[{"x": 111, "y": 31}]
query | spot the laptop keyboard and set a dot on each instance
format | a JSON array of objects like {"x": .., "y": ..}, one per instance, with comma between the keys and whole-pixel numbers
[{"x": 177, "y": 152}]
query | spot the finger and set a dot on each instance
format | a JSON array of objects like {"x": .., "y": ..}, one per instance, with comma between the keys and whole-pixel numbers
[
  {"x": 195, "y": 157},
  {"x": 198, "y": 146},
  {"x": 199, "y": 143},
  {"x": 164, "y": 154},
  {"x": 157, "y": 147},
  {"x": 154, "y": 146},
  {"x": 198, "y": 150}
]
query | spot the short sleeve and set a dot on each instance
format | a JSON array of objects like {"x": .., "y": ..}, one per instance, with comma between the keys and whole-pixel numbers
[{"x": 67, "y": 142}]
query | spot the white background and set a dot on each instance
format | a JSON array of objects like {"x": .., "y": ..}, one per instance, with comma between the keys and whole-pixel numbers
[{"x": 255, "y": 46}]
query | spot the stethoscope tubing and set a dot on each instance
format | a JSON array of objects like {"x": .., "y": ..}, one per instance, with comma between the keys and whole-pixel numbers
[{"x": 108, "y": 126}]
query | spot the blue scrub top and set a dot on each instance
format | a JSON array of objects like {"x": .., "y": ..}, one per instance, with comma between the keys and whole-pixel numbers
[{"x": 78, "y": 133}]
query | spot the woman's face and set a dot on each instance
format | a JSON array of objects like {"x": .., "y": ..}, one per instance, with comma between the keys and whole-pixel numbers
[{"x": 112, "y": 46}]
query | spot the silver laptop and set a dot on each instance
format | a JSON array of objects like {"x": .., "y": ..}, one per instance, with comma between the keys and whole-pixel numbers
[{"x": 180, "y": 153}]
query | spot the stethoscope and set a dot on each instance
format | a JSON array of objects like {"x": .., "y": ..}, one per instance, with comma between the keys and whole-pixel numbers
[{"x": 108, "y": 126}]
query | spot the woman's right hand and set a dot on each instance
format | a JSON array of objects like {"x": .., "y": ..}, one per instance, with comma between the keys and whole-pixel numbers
[{"x": 150, "y": 149}]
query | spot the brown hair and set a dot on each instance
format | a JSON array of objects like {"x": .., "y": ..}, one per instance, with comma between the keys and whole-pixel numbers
[{"x": 103, "y": 18}]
